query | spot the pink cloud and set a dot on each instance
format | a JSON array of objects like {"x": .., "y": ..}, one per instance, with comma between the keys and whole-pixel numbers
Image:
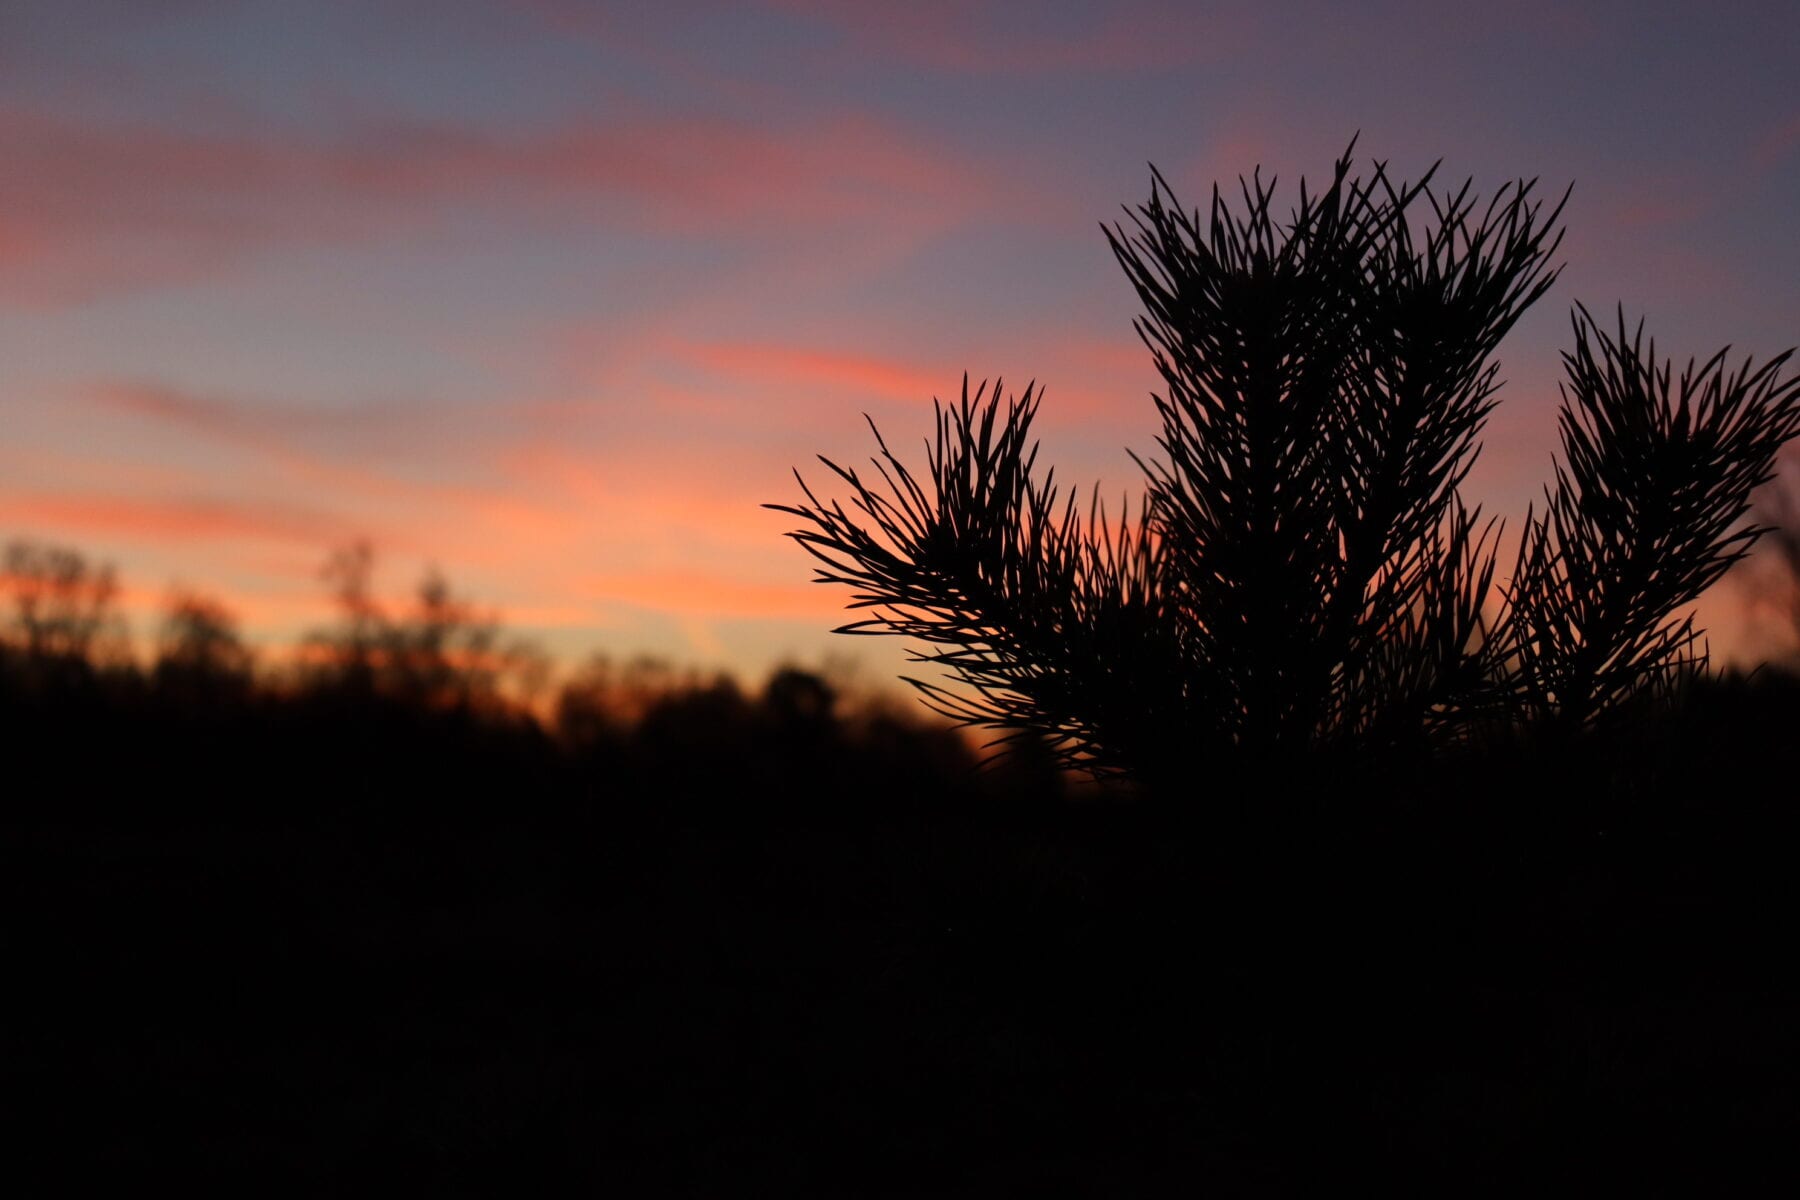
[
  {"x": 1083, "y": 376},
  {"x": 855, "y": 374},
  {"x": 87, "y": 209}
]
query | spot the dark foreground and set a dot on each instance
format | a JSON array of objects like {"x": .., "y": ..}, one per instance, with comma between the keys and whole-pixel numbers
[{"x": 336, "y": 948}]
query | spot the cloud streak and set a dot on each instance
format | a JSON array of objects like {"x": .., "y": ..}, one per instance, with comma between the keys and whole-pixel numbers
[
  {"x": 91, "y": 208},
  {"x": 74, "y": 514},
  {"x": 852, "y": 374}
]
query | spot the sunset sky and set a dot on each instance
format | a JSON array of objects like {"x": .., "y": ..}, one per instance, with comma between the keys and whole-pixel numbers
[{"x": 553, "y": 295}]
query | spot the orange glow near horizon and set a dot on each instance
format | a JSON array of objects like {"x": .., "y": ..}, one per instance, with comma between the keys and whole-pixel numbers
[{"x": 554, "y": 300}]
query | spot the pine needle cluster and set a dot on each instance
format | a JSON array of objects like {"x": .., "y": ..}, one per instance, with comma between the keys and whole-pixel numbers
[{"x": 1303, "y": 573}]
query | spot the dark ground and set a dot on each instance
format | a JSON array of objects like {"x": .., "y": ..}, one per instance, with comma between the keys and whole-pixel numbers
[{"x": 745, "y": 949}]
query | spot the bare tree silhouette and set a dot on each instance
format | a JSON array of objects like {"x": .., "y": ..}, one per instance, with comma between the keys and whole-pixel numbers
[
  {"x": 348, "y": 652},
  {"x": 1303, "y": 573},
  {"x": 62, "y": 606},
  {"x": 442, "y": 653}
]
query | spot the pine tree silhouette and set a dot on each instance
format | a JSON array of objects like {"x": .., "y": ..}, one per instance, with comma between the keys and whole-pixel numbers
[{"x": 1303, "y": 574}]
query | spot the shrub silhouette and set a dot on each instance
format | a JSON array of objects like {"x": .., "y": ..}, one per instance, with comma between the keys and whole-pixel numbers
[
  {"x": 201, "y": 654},
  {"x": 1779, "y": 505},
  {"x": 1303, "y": 574}
]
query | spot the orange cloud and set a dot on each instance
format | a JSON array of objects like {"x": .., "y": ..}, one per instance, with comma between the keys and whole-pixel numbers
[
  {"x": 519, "y": 508},
  {"x": 78, "y": 514}
]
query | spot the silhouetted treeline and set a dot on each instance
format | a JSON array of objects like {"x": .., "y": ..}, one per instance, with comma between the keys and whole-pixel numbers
[
  {"x": 428, "y": 710},
  {"x": 366, "y": 922}
]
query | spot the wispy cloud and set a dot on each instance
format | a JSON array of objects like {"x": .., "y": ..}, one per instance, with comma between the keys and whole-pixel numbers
[
  {"x": 260, "y": 423},
  {"x": 79, "y": 514},
  {"x": 1085, "y": 376},
  {"x": 852, "y": 373},
  {"x": 89, "y": 208},
  {"x": 307, "y": 445}
]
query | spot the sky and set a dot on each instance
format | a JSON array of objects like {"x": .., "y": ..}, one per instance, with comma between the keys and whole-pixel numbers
[{"x": 553, "y": 296}]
